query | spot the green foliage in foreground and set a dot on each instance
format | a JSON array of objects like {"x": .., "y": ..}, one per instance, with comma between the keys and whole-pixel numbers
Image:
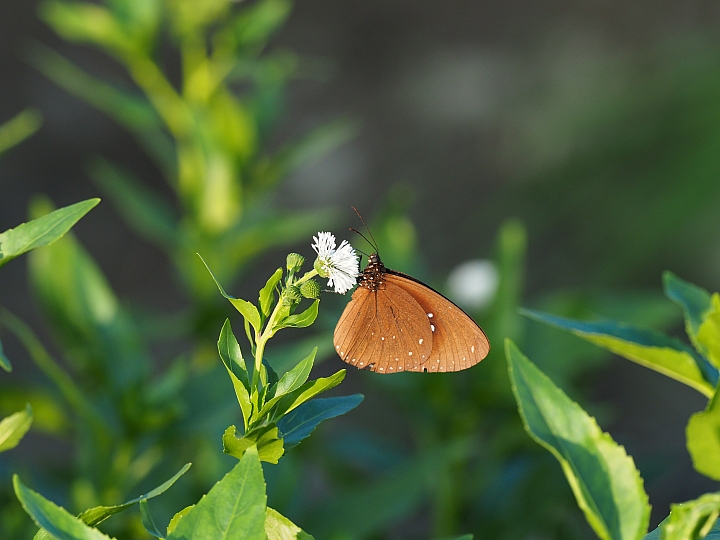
[
  {"x": 266, "y": 400},
  {"x": 278, "y": 413},
  {"x": 234, "y": 509},
  {"x": 603, "y": 478}
]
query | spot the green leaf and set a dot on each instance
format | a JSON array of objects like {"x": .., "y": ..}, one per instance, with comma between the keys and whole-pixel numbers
[
  {"x": 146, "y": 212},
  {"x": 298, "y": 424},
  {"x": 148, "y": 521},
  {"x": 55, "y": 520},
  {"x": 648, "y": 348},
  {"x": 714, "y": 533},
  {"x": 85, "y": 23},
  {"x": 231, "y": 355},
  {"x": 19, "y": 127},
  {"x": 278, "y": 527},
  {"x": 14, "y": 427},
  {"x": 4, "y": 361},
  {"x": 301, "y": 320},
  {"x": 708, "y": 335},
  {"x": 177, "y": 517},
  {"x": 265, "y": 439},
  {"x": 234, "y": 509},
  {"x": 606, "y": 484},
  {"x": 42, "y": 231},
  {"x": 266, "y": 293},
  {"x": 297, "y": 397},
  {"x": 692, "y": 520},
  {"x": 246, "y": 309},
  {"x": 297, "y": 376},
  {"x": 97, "y": 515},
  {"x": 703, "y": 439},
  {"x": 694, "y": 301}
]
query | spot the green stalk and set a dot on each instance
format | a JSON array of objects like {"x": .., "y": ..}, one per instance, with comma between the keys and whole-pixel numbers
[{"x": 268, "y": 332}]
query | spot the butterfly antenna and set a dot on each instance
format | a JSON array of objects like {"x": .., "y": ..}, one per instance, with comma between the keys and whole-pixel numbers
[
  {"x": 364, "y": 238},
  {"x": 374, "y": 242},
  {"x": 362, "y": 252}
]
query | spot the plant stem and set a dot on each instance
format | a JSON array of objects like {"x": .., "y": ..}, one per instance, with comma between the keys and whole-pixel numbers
[{"x": 267, "y": 333}]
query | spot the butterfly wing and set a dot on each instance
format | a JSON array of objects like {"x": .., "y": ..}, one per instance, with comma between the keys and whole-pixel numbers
[
  {"x": 385, "y": 331},
  {"x": 458, "y": 342}
]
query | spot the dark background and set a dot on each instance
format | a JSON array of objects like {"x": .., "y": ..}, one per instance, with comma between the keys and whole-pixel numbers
[{"x": 580, "y": 118}]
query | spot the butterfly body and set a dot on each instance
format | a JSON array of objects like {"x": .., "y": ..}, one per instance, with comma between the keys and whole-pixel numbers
[{"x": 395, "y": 323}]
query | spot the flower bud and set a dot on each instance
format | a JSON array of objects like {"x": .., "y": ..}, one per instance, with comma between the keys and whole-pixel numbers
[
  {"x": 321, "y": 267},
  {"x": 291, "y": 295},
  {"x": 294, "y": 262},
  {"x": 310, "y": 289}
]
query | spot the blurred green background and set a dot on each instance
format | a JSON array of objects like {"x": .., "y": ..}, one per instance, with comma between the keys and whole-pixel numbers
[{"x": 577, "y": 145}]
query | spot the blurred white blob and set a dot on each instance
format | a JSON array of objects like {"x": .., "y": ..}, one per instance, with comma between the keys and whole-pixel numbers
[{"x": 473, "y": 284}]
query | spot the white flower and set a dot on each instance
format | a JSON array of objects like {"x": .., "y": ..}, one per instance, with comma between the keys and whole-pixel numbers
[
  {"x": 339, "y": 265},
  {"x": 473, "y": 284}
]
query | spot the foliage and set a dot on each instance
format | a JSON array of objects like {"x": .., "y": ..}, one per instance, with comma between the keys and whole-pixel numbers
[
  {"x": 118, "y": 373},
  {"x": 211, "y": 143},
  {"x": 136, "y": 394},
  {"x": 273, "y": 409},
  {"x": 604, "y": 480},
  {"x": 558, "y": 424},
  {"x": 265, "y": 399}
]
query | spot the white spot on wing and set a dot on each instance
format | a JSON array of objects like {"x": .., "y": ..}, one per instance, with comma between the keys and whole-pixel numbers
[
  {"x": 432, "y": 327},
  {"x": 430, "y": 315},
  {"x": 420, "y": 341},
  {"x": 472, "y": 349},
  {"x": 409, "y": 353}
]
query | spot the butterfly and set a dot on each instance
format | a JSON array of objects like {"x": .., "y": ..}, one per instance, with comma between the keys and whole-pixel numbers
[{"x": 396, "y": 323}]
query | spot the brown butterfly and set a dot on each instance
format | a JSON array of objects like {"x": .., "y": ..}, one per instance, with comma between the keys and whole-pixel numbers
[{"x": 395, "y": 323}]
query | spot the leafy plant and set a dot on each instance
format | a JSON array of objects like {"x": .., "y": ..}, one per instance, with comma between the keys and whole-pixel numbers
[
  {"x": 278, "y": 413},
  {"x": 210, "y": 140},
  {"x": 604, "y": 480}
]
